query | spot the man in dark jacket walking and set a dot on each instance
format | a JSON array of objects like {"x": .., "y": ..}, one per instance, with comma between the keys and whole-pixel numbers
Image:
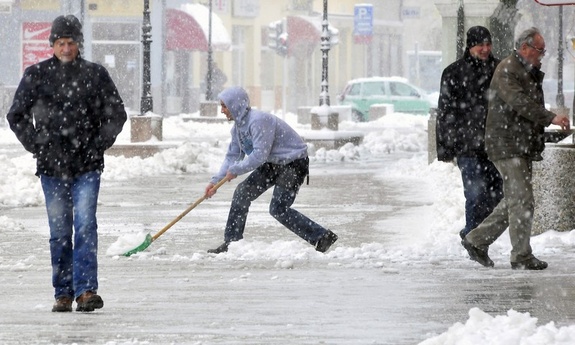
[
  {"x": 461, "y": 114},
  {"x": 67, "y": 112},
  {"x": 514, "y": 139}
]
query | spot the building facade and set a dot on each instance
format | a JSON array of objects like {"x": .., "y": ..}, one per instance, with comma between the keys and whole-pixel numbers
[{"x": 241, "y": 45}]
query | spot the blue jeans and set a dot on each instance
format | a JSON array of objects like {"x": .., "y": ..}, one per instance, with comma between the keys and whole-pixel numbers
[
  {"x": 287, "y": 180},
  {"x": 482, "y": 187},
  {"x": 71, "y": 203}
]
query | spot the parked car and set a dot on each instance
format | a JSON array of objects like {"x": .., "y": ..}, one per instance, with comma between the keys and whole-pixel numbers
[{"x": 362, "y": 93}]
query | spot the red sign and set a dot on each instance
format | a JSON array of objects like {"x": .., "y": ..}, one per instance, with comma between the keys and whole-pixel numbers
[
  {"x": 555, "y": 2},
  {"x": 35, "y": 45}
]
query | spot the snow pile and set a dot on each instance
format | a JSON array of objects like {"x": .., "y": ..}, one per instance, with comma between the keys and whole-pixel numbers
[{"x": 514, "y": 328}]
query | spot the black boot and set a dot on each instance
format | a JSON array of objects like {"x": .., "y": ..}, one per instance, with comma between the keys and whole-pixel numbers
[
  {"x": 529, "y": 264},
  {"x": 325, "y": 241},
  {"x": 221, "y": 249},
  {"x": 477, "y": 254}
]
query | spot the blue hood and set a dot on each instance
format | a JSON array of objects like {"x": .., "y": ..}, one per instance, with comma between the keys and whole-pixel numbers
[{"x": 237, "y": 101}]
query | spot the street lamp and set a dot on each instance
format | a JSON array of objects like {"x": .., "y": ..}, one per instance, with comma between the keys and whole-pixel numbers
[
  {"x": 560, "y": 99},
  {"x": 322, "y": 116},
  {"x": 209, "y": 75},
  {"x": 325, "y": 45},
  {"x": 146, "y": 104},
  {"x": 460, "y": 30},
  {"x": 143, "y": 126}
]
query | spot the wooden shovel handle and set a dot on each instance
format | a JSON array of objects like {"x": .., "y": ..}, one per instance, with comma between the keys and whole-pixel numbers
[{"x": 191, "y": 207}]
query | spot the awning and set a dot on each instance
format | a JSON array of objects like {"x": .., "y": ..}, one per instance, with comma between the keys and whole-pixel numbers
[
  {"x": 304, "y": 34},
  {"x": 188, "y": 29}
]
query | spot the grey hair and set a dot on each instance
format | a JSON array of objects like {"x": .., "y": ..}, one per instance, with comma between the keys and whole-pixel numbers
[{"x": 527, "y": 36}]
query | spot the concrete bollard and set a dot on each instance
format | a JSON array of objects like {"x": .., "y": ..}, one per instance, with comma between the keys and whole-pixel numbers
[
  {"x": 304, "y": 115},
  {"x": 553, "y": 189},
  {"x": 209, "y": 108},
  {"x": 431, "y": 136},
  {"x": 143, "y": 127},
  {"x": 319, "y": 121},
  {"x": 378, "y": 111}
]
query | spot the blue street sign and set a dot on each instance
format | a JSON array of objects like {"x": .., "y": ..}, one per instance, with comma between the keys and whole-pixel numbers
[{"x": 363, "y": 20}]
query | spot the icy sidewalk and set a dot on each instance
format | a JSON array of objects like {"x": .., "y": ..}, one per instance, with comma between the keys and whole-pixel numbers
[{"x": 373, "y": 287}]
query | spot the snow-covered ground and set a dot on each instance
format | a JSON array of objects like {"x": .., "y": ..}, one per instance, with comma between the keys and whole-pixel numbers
[{"x": 393, "y": 156}]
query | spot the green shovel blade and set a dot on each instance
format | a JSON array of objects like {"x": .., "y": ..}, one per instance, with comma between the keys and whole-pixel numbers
[{"x": 141, "y": 247}]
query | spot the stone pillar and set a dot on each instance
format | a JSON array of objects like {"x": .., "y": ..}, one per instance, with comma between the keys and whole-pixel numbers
[
  {"x": 431, "y": 136},
  {"x": 320, "y": 119},
  {"x": 304, "y": 115},
  {"x": 477, "y": 12},
  {"x": 209, "y": 108},
  {"x": 554, "y": 189},
  {"x": 144, "y": 127}
]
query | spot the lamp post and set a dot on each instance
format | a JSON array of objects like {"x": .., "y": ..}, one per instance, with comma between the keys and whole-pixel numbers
[
  {"x": 146, "y": 103},
  {"x": 560, "y": 100},
  {"x": 209, "y": 75},
  {"x": 325, "y": 46},
  {"x": 460, "y": 29},
  {"x": 209, "y": 108},
  {"x": 144, "y": 126},
  {"x": 322, "y": 116}
]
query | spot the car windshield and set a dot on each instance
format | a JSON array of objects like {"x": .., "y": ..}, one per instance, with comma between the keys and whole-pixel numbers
[{"x": 373, "y": 89}]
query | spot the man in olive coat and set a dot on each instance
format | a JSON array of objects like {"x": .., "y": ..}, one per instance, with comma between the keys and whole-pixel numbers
[{"x": 514, "y": 138}]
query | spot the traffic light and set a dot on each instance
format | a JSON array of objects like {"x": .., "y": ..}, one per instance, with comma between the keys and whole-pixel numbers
[
  {"x": 277, "y": 38},
  {"x": 282, "y": 44},
  {"x": 274, "y": 31}
]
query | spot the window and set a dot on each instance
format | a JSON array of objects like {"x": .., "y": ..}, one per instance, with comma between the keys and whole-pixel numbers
[
  {"x": 373, "y": 89},
  {"x": 354, "y": 90},
  {"x": 403, "y": 90},
  {"x": 301, "y": 5},
  {"x": 105, "y": 31}
]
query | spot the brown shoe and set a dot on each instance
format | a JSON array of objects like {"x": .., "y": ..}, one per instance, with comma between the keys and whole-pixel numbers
[
  {"x": 88, "y": 301},
  {"x": 62, "y": 304}
]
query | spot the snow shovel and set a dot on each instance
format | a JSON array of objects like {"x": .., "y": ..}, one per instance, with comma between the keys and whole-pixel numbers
[{"x": 149, "y": 238}]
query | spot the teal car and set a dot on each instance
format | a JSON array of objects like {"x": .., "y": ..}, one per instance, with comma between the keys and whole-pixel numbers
[{"x": 362, "y": 93}]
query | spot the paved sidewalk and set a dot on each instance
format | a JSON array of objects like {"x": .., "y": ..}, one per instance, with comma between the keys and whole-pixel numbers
[{"x": 175, "y": 293}]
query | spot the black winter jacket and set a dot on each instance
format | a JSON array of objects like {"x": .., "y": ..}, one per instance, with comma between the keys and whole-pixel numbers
[
  {"x": 462, "y": 108},
  {"x": 67, "y": 115}
]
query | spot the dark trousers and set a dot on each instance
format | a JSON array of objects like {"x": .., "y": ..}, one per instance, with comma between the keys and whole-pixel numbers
[
  {"x": 287, "y": 180},
  {"x": 482, "y": 187}
]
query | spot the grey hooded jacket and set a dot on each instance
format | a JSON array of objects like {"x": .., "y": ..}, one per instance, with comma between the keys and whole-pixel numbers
[{"x": 257, "y": 137}]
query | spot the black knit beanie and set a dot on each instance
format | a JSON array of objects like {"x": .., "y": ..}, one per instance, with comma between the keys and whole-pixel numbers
[
  {"x": 477, "y": 35},
  {"x": 68, "y": 27}
]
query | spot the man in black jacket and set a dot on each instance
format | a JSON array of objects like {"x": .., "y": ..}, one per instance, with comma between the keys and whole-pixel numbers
[
  {"x": 67, "y": 112},
  {"x": 461, "y": 114}
]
